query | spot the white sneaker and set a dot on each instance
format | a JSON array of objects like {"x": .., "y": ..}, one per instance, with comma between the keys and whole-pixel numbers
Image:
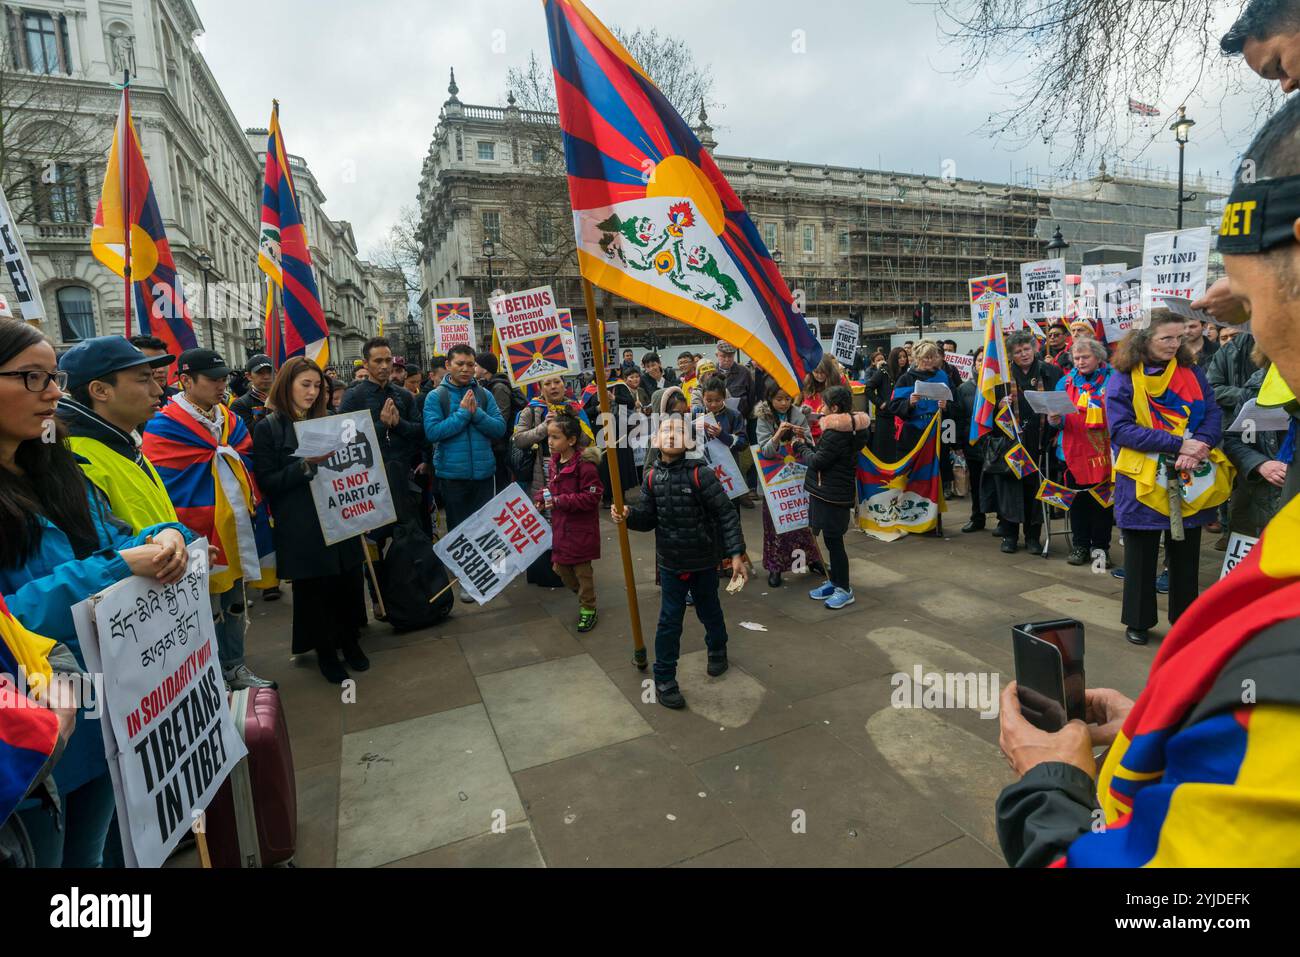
[{"x": 241, "y": 677}]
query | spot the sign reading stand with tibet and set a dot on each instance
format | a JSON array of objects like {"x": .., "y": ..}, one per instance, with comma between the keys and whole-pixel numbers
[{"x": 532, "y": 338}]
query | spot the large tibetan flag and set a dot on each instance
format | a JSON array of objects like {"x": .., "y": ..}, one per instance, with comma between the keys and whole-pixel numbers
[
  {"x": 995, "y": 371},
  {"x": 28, "y": 732},
  {"x": 655, "y": 220},
  {"x": 895, "y": 499},
  {"x": 141, "y": 253},
  {"x": 283, "y": 254}
]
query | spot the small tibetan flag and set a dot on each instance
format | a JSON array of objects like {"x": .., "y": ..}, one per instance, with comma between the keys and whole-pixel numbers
[
  {"x": 1019, "y": 461},
  {"x": 1006, "y": 422},
  {"x": 1056, "y": 494},
  {"x": 1104, "y": 494}
]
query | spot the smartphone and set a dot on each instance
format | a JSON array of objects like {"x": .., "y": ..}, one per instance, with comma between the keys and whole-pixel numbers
[
  {"x": 1067, "y": 635},
  {"x": 1040, "y": 680}
]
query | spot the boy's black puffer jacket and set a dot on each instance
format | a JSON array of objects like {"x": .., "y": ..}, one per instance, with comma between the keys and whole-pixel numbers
[
  {"x": 694, "y": 522},
  {"x": 833, "y": 467}
]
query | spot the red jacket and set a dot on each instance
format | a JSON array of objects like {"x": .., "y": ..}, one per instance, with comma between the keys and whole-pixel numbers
[{"x": 576, "y": 491}]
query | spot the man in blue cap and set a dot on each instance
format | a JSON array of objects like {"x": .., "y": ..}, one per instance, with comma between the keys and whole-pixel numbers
[{"x": 112, "y": 392}]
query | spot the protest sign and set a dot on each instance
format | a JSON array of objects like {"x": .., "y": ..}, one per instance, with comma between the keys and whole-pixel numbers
[
  {"x": 351, "y": 489},
  {"x": 964, "y": 364},
  {"x": 845, "y": 343},
  {"x": 782, "y": 481},
  {"x": 532, "y": 339},
  {"x": 19, "y": 266},
  {"x": 453, "y": 324},
  {"x": 1119, "y": 303},
  {"x": 1239, "y": 547},
  {"x": 1013, "y": 315},
  {"x": 499, "y": 541},
  {"x": 638, "y": 436},
  {"x": 1043, "y": 285},
  {"x": 1091, "y": 278},
  {"x": 169, "y": 736},
  {"x": 587, "y": 355},
  {"x": 1175, "y": 264},
  {"x": 814, "y": 327},
  {"x": 986, "y": 293},
  {"x": 721, "y": 460},
  {"x": 570, "y": 339}
]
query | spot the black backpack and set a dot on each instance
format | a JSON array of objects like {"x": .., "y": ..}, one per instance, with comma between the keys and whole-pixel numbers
[{"x": 409, "y": 576}]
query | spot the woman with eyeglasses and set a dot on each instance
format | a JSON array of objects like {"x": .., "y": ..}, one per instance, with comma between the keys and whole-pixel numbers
[{"x": 60, "y": 544}]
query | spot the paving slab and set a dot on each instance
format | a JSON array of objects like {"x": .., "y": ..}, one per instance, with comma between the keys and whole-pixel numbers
[
  {"x": 513, "y": 847},
  {"x": 513, "y": 646},
  {"x": 556, "y": 709},
  {"x": 409, "y": 682},
  {"x": 422, "y": 783},
  {"x": 963, "y": 852},
  {"x": 743, "y": 853},
  {"x": 318, "y": 815}
]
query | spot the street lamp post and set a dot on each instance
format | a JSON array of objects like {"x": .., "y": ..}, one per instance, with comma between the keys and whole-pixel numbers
[
  {"x": 253, "y": 338},
  {"x": 205, "y": 265},
  {"x": 489, "y": 251},
  {"x": 1181, "y": 127}
]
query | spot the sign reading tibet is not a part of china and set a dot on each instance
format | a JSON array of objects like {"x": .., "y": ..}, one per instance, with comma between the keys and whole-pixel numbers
[
  {"x": 532, "y": 338},
  {"x": 487, "y": 550},
  {"x": 350, "y": 489},
  {"x": 169, "y": 737}
]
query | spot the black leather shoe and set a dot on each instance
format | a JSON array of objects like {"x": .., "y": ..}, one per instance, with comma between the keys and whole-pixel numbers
[
  {"x": 717, "y": 664},
  {"x": 1033, "y": 546},
  {"x": 976, "y": 524},
  {"x": 670, "y": 696},
  {"x": 355, "y": 657},
  {"x": 332, "y": 669},
  {"x": 1009, "y": 546},
  {"x": 1078, "y": 556},
  {"x": 1137, "y": 636},
  {"x": 774, "y": 579}
]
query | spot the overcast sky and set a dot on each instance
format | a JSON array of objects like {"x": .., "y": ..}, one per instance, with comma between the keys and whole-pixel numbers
[{"x": 360, "y": 86}]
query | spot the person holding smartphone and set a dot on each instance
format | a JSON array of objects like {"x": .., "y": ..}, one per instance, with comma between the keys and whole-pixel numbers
[{"x": 783, "y": 429}]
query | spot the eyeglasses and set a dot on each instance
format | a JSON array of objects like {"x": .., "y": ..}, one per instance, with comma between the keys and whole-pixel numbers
[{"x": 39, "y": 380}]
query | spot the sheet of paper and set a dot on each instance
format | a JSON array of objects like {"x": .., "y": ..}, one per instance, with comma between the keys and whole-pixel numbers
[
  {"x": 733, "y": 403},
  {"x": 1050, "y": 403},
  {"x": 318, "y": 442},
  {"x": 933, "y": 390},
  {"x": 1183, "y": 307},
  {"x": 1259, "y": 419}
]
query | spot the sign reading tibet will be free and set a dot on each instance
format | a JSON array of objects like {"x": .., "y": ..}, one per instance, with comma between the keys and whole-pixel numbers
[
  {"x": 845, "y": 343},
  {"x": 1175, "y": 264},
  {"x": 532, "y": 338},
  {"x": 1043, "y": 285}
]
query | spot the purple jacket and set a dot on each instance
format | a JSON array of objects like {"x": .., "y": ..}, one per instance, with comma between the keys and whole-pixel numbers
[{"x": 1126, "y": 433}]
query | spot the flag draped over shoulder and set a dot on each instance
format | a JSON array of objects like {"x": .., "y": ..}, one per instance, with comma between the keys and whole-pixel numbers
[
  {"x": 283, "y": 254},
  {"x": 127, "y": 206},
  {"x": 28, "y": 732},
  {"x": 211, "y": 484},
  {"x": 654, "y": 218},
  {"x": 994, "y": 372},
  {"x": 904, "y": 496}
]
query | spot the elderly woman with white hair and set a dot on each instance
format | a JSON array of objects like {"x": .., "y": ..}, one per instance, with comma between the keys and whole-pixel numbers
[{"x": 1084, "y": 447}]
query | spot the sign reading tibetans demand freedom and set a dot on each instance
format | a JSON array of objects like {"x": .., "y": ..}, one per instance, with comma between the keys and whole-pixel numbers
[
  {"x": 1043, "y": 286},
  {"x": 782, "y": 479},
  {"x": 169, "y": 737},
  {"x": 964, "y": 364},
  {"x": 587, "y": 355},
  {"x": 987, "y": 292},
  {"x": 351, "y": 489},
  {"x": 453, "y": 324},
  {"x": 532, "y": 338},
  {"x": 487, "y": 550},
  {"x": 844, "y": 345},
  {"x": 1175, "y": 264}
]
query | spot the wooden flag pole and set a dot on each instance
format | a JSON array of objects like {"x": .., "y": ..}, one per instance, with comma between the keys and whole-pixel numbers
[{"x": 596, "y": 329}]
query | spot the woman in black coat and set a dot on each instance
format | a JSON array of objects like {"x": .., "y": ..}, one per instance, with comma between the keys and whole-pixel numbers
[
  {"x": 832, "y": 488},
  {"x": 880, "y": 389},
  {"x": 328, "y": 593}
]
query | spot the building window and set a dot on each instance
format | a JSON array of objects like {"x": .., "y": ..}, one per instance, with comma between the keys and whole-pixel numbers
[
  {"x": 492, "y": 225},
  {"x": 769, "y": 236},
  {"x": 76, "y": 313},
  {"x": 45, "y": 43},
  {"x": 487, "y": 150},
  {"x": 545, "y": 229},
  {"x": 66, "y": 204},
  {"x": 809, "y": 240},
  {"x": 539, "y": 155},
  {"x": 844, "y": 244}
]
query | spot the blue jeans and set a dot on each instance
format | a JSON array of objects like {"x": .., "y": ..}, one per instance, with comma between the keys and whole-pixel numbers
[
  {"x": 76, "y": 838},
  {"x": 228, "y": 617},
  {"x": 703, "y": 587}
]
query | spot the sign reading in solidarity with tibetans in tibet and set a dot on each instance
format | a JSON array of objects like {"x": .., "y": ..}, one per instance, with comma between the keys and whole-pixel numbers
[
  {"x": 654, "y": 219},
  {"x": 1043, "y": 285},
  {"x": 782, "y": 479},
  {"x": 18, "y": 266},
  {"x": 845, "y": 343},
  {"x": 487, "y": 550},
  {"x": 350, "y": 489},
  {"x": 532, "y": 338},
  {"x": 453, "y": 324},
  {"x": 895, "y": 499},
  {"x": 987, "y": 293},
  {"x": 1175, "y": 264},
  {"x": 169, "y": 736}
]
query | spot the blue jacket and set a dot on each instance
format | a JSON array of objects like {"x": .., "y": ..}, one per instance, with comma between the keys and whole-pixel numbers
[
  {"x": 41, "y": 594},
  {"x": 462, "y": 443}
]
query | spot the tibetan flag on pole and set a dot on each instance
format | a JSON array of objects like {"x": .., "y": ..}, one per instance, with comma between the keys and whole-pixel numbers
[
  {"x": 273, "y": 334},
  {"x": 905, "y": 496},
  {"x": 28, "y": 732},
  {"x": 283, "y": 254},
  {"x": 655, "y": 220},
  {"x": 995, "y": 371},
  {"x": 128, "y": 237}
]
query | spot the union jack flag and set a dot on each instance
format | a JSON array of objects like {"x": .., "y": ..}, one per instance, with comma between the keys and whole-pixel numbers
[{"x": 1141, "y": 109}]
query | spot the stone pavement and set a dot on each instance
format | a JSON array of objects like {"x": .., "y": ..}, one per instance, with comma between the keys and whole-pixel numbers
[{"x": 504, "y": 738}]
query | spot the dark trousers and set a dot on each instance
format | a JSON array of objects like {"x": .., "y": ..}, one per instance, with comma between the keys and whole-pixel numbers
[
  {"x": 975, "y": 468},
  {"x": 1141, "y": 565},
  {"x": 1033, "y": 512},
  {"x": 1090, "y": 522},
  {"x": 839, "y": 559},
  {"x": 327, "y": 611},
  {"x": 703, "y": 587},
  {"x": 463, "y": 497},
  {"x": 74, "y": 839}
]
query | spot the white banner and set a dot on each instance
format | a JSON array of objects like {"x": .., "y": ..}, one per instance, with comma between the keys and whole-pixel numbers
[
  {"x": 964, "y": 364},
  {"x": 453, "y": 324},
  {"x": 782, "y": 481},
  {"x": 18, "y": 265},
  {"x": 499, "y": 541},
  {"x": 532, "y": 339},
  {"x": 1043, "y": 286},
  {"x": 1090, "y": 279},
  {"x": 721, "y": 460},
  {"x": 351, "y": 489},
  {"x": 1175, "y": 264},
  {"x": 986, "y": 292},
  {"x": 844, "y": 345},
  {"x": 169, "y": 737},
  {"x": 814, "y": 326},
  {"x": 1239, "y": 547},
  {"x": 587, "y": 355},
  {"x": 1013, "y": 316},
  {"x": 1119, "y": 302},
  {"x": 570, "y": 339}
]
